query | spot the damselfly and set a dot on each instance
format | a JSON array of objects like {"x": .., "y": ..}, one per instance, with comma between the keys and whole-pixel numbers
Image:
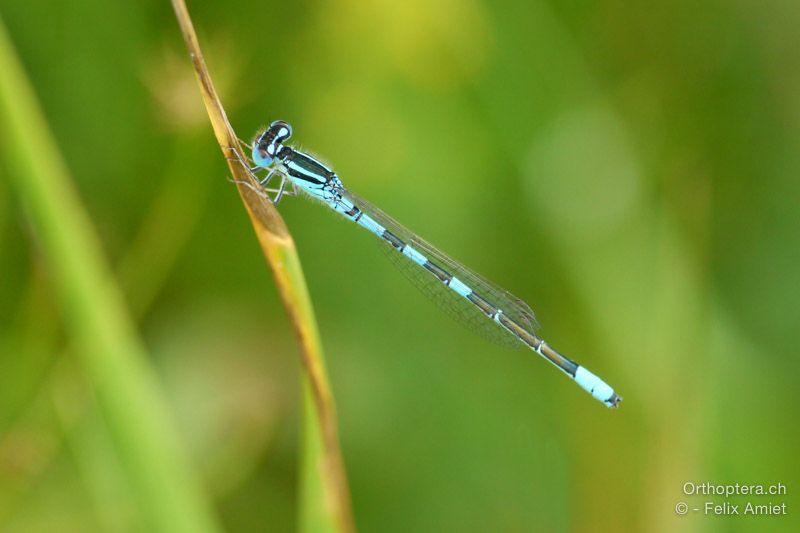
[{"x": 480, "y": 304}]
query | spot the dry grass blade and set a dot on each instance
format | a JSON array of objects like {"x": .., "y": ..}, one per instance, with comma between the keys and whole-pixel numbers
[{"x": 332, "y": 508}]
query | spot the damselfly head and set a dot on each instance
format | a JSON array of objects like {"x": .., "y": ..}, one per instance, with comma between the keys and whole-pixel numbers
[{"x": 269, "y": 143}]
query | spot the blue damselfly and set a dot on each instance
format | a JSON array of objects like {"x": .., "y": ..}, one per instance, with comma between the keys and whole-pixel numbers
[{"x": 483, "y": 306}]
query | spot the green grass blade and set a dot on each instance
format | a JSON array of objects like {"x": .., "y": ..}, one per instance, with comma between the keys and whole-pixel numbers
[{"x": 167, "y": 489}]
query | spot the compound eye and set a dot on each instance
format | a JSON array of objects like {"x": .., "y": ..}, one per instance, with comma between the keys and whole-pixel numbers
[
  {"x": 260, "y": 155},
  {"x": 282, "y": 130}
]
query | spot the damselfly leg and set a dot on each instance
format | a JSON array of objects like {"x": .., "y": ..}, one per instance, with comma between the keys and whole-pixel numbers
[{"x": 279, "y": 192}]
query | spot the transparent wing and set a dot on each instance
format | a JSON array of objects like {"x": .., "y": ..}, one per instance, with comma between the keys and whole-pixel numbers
[{"x": 456, "y": 306}]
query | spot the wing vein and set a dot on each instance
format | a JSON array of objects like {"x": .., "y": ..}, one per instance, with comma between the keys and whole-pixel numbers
[{"x": 458, "y": 307}]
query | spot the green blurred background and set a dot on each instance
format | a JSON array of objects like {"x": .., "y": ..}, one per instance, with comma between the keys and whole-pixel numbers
[{"x": 631, "y": 169}]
